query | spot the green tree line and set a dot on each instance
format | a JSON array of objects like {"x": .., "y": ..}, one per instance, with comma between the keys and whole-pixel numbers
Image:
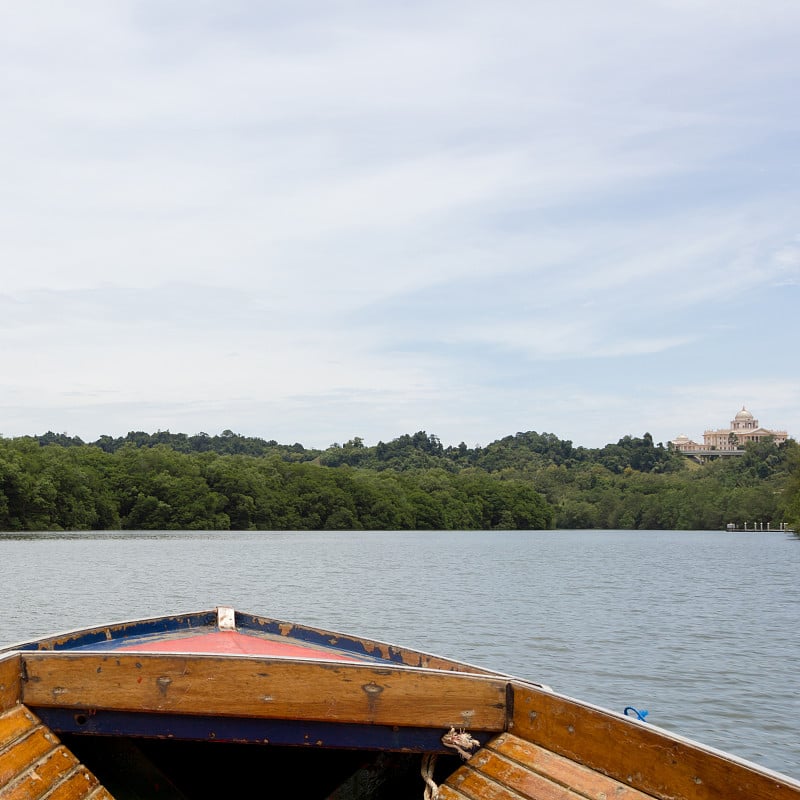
[
  {"x": 529, "y": 480},
  {"x": 79, "y": 487}
]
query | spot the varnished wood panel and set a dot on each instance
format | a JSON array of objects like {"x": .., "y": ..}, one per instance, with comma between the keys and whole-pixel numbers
[
  {"x": 42, "y": 777},
  {"x": 25, "y": 753},
  {"x": 447, "y": 792},
  {"x": 477, "y": 786},
  {"x": 488, "y": 769},
  {"x": 100, "y": 793},
  {"x": 519, "y": 778},
  {"x": 33, "y": 763},
  {"x": 9, "y": 681},
  {"x": 76, "y": 786},
  {"x": 638, "y": 754},
  {"x": 520, "y": 758},
  {"x": 510, "y": 767},
  {"x": 14, "y": 723},
  {"x": 265, "y": 688}
]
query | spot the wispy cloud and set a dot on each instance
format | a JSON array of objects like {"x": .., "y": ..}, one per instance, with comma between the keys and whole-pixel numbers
[{"x": 334, "y": 219}]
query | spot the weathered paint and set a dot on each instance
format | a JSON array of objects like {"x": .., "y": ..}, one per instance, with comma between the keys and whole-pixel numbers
[
  {"x": 199, "y": 727},
  {"x": 108, "y": 634},
  {"x": 111, "y": 637},
  {"x": 379, "y": 651}
]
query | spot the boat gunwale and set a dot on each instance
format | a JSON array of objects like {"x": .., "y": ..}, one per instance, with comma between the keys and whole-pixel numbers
[
  {"x": 375, "y": 650},
  {"x": 59, "y": 641},
  {"x": 379, "y": 666},
  {"x": 666, "y": 735}
]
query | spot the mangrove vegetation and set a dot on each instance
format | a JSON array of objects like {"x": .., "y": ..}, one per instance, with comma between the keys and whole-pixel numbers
[{"x": 163, "y": 481}]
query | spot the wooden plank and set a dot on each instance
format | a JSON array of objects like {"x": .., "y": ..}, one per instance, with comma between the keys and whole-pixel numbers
[
  {"x": 41, "y": 777},
  {"x": 528, "y": 771},
  {"x": 266, "y": 689},
  {"x": 475, "y": 785},
  {"x": 78, "y": 785},
  {"x": 24, "y": 753},
  {"x": 9, "y": 681},
  {"x": 449, "y": 793},
  {"x": 638, "y": 754},
  {"x": 15, "y": 722},
  {"x": 522, "y": 779},
  {"x": 527, "y": 756},
  {"x": 100, "y": 793},
  {"x": 33, "y": 762}
]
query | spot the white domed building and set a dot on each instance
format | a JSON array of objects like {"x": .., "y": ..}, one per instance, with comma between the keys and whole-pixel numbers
[
  {"x": 743, "y": 428},
  {"x": 685, "y": 444}
]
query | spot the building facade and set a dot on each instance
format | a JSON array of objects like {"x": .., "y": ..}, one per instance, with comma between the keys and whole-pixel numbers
[{"x": 743, "y": 428}]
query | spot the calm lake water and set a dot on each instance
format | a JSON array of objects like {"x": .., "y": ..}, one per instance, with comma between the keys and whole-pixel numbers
[{"x": 698, "y": 628}]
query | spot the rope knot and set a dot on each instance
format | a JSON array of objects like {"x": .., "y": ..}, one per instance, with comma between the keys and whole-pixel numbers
[{"x": 460, "y": 741}]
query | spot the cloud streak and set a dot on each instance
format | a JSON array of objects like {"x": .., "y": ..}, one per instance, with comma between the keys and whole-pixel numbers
[{"x": 332, "y": 220}]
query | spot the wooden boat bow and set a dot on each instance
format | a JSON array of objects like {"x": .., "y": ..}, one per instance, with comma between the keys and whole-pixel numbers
[{"x": 338, "y": 708}]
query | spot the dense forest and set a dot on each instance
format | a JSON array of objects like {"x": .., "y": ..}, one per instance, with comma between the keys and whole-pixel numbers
[{"x": 530, "y": 480}]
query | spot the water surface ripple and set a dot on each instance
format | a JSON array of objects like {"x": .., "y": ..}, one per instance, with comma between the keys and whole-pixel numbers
[{"x": 698, "y": 628}]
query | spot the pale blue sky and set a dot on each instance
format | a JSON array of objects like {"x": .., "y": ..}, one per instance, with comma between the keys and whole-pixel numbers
[{"x": 320, "y": 220}]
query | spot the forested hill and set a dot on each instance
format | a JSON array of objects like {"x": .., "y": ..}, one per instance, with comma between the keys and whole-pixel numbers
[
  {"x": 410, "y": 451},
  {"x": 169, "y": 480}
]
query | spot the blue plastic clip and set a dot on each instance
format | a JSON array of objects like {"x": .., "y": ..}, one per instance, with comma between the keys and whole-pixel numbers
[{"x": 638, "y": 714}]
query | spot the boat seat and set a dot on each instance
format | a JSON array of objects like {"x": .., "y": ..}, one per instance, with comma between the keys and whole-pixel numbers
[
  {"x": 510, "y": 768},
  {"x": 33, "y": 762}
]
